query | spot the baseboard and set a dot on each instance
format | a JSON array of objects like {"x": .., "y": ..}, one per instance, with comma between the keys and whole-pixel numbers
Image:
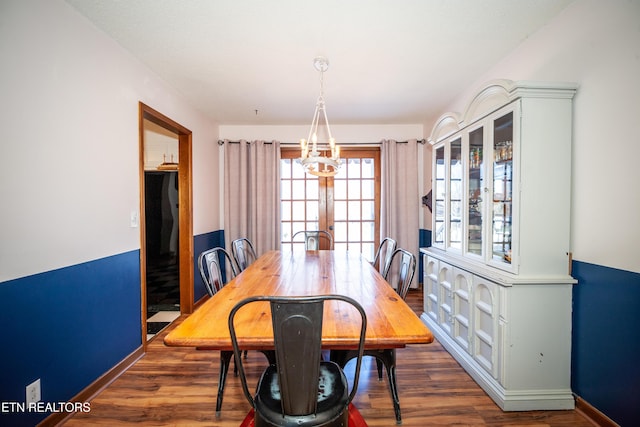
[
  {"x": 593, "y": 415},
  {"x": 95, "y": 388}
]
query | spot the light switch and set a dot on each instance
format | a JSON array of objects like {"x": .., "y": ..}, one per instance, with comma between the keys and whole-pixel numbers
[{"x": 134, "y": 219}]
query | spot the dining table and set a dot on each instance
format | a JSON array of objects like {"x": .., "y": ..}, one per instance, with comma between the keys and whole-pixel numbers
[{"x": 391, "y": 323}]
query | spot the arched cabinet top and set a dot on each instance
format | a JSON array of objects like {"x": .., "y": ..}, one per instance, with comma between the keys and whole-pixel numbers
[
  {"x": 447, "y": 124},
  {"x": 493, "y": 96}
]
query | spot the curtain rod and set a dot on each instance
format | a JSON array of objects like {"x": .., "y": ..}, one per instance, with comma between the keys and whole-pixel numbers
[
  {"x": 221, "y": 142},
  {"x": 420, "y": 141}
]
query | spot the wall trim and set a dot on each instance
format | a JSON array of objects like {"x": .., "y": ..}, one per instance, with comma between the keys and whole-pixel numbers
[
  {"x": 594, "y": 416},
  {"x": 93, "y": 389}
]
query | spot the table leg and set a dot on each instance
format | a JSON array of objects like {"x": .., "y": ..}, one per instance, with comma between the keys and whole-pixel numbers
[{"x": 225, "y": 360}]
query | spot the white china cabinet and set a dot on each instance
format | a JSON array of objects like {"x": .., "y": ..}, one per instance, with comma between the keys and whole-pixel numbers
[{"x": 497, "y": 283}]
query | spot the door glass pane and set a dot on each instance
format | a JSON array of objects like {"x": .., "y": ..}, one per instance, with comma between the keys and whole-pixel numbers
[
  {"x": 455, "y": 207},
  {"x": 368, "y": 189},
  {"x": 353, "y": 168},
  {"x": 298, "y": 189},
  {"x": 353, "y": 231},
  {"x": 312, "y": 210},
  {"x": 368, "y": 168},
  {"x": 368, "y": 231},
  {"x": 340, "y": 210},
  {"x": 297, "y": 213},
  {"x": 285, "y": 211},
  {"x": 502, "y": 188},
  {"x": 354, "y": 210},
  {"x": 285, "y": 169},
  {"x": 340, "y": 188},
  {"x": 354, "y": 189},
  {"x": 368, "y": 210},
  {"x": 476, "y": 188},
  {"x": 312, "y": 189}
]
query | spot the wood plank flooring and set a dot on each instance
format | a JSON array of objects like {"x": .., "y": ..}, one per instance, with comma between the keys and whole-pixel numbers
[{"x": 175, "y": 386}]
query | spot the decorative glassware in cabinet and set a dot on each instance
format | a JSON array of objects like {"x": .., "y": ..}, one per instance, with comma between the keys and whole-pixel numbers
[
  {"x": 439, "y": 191},
  {"x": 455, "y": 211},
  {"x": 476, "y": 188},
  {"x": 502, "y": 187}
]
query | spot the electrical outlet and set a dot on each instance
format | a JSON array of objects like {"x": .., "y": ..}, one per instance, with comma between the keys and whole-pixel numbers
[{"x": 33, "y": 392}]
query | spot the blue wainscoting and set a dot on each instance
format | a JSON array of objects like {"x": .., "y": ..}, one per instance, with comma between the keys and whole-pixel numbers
[
  {"x": 424, "y": 241},
  {"x": 67, "y": 327},
  {"x": 605, "y": 339}
]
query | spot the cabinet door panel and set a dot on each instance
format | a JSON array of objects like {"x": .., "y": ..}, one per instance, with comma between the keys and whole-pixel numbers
[
  {"x": 431, "y": 269},
  {"x": 503, "y": 177},
  {"x": 439, "y": 192},
  {"x": 445, "y": 297},
  {"x": 485, "y": 328},
  {"x": 455, "y": 194},
  {"x": 462, "y": 308},
  {"x": 476, "y": 192}
]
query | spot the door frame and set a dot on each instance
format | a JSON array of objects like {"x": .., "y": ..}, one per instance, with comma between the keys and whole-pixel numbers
[{"x": 185, "y": 209}]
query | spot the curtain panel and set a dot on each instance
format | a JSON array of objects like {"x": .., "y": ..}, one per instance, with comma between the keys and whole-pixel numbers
[
  {"x": 400, "y": 195},
  {"x": 252, "y": 193}
]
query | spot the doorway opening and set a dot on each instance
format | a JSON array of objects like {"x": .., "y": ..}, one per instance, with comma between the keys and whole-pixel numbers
[{"x": 166, "y": 247}]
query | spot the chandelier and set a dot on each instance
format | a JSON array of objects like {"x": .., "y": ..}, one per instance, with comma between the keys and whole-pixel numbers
[{"x": 320, "y": 159}]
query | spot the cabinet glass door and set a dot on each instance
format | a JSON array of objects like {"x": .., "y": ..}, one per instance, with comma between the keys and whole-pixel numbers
[
  {"x": 502, "y": 188},
  {"x": 439, "y": 193},
  {"x": 476, "y": 191},
  {"x": 455, "y": 207}
]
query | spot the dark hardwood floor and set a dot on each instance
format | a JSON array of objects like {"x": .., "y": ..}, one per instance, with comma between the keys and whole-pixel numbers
[{"x": 176, "y": 386}]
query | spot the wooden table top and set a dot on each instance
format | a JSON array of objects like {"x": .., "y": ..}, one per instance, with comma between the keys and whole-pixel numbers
[{"x": 390, "y": 321}]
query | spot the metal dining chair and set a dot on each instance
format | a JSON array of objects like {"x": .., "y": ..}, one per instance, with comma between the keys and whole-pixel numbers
[
  {"x": 399, "y": 275},
  {"x": 300, "y": 389},
  {"x": 312, "y": 238},
  {"x": 382, "y": 260},
  {"x": 212, "y": 264},
  {"x": 243, "y": 252}
]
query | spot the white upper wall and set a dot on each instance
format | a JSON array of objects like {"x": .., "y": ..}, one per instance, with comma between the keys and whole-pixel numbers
[
  {"x": 597, "y": 45},
  {"x": 69, "y": 112}
]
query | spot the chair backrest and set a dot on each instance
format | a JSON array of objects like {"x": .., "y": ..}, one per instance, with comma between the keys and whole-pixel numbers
[
  {"x": 312, "y": 238},
  {"x": 243, "y": 252},
  {"x": 212, "y": 265},
  {"x": 401, "y": 271},
  {"x": 297, "y": 334},
  {"x": 382, "y": 260}
]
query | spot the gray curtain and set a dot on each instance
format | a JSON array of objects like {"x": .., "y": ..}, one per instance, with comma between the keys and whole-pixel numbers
[
  {"x": 252, "y": 193},
  {"x": 400, "y": 198}
]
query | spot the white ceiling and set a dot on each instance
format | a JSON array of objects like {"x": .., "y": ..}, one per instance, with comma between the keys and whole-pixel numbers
[{"x": 391, "y": 62}]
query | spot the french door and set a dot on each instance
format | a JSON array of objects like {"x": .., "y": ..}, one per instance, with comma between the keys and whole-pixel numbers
[{"x": 347, "y": 205}]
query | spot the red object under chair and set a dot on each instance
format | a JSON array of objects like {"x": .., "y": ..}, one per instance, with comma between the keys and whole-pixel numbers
[{"x": 355, "y": 418}]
